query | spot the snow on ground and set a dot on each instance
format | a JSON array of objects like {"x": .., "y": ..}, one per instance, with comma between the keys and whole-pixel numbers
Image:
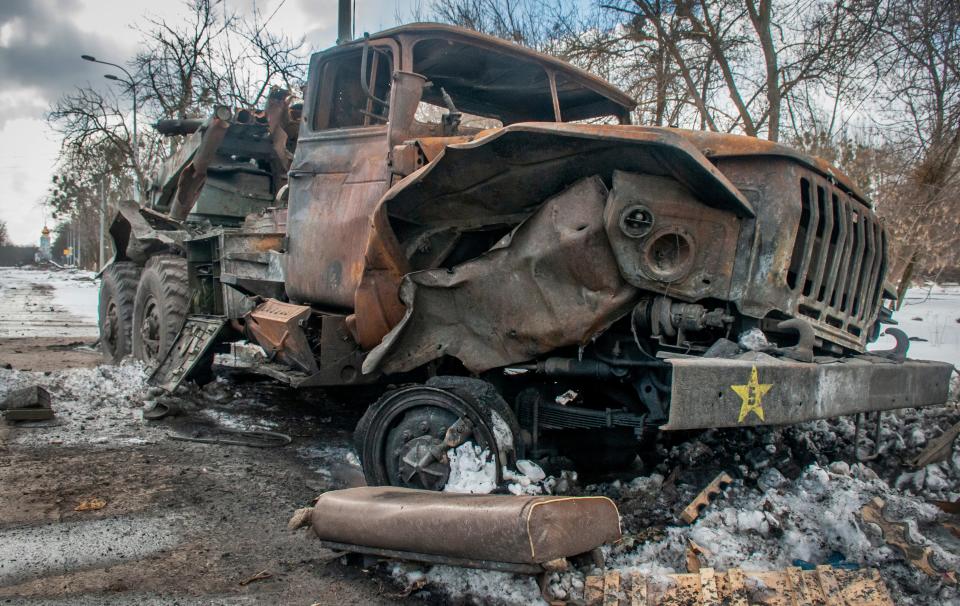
[
  {"x": 472, "y": 470},
  {"x": 48, "y": 303},
  {"x": 99, "y": 405},
  {"x": 77, "y": 291},
  {"x": 930, "y": 313}
]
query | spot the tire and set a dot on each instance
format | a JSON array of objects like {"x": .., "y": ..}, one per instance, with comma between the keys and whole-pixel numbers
[
  {"x": 118, "y": 289},
  {"x": 160, "y": 307},
  {"x": 406, "y": 416}
]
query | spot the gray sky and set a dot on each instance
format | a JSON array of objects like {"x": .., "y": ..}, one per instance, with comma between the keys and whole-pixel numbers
[{"x": 40, "y": 46}]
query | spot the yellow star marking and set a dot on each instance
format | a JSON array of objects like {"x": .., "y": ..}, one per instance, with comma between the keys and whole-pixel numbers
[{"x": 752, "y": 395}]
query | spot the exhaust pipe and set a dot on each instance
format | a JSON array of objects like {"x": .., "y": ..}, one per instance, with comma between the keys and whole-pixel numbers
[
  {"x": 244, "y": 116},
  {"x": 344, "y": 21}
]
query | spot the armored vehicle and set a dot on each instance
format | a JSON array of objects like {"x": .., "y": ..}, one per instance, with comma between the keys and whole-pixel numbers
[{"x": 482, "y": 226}]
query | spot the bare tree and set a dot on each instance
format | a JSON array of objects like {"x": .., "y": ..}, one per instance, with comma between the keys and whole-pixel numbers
[
  {"x": 94, "y": 128},
  {"x": 186, "y": 67},
  {"x": 919, "y": 53},
  {"x": 540, "y": 24}
]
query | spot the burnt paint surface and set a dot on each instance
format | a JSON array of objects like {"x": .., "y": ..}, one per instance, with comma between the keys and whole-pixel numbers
[
  {"x": 503, "y": 177},
  {"x": 551, "y": 282},
  {"x": 359, "y": 224},
  {"x": 337, "y": 179}
]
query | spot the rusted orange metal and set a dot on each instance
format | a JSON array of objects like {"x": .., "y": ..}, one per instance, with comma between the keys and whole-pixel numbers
[
  {"x": 359, "y": 223},
  {"x": 276, "y": 326}
]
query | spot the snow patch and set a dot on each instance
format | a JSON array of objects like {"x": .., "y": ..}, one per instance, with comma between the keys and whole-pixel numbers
[
  {"x": 930, "y": 313},
  {"x": 92, "y": 405},
  {"x": 754, "y": 340},
  {"x": 472, "y": 470}
]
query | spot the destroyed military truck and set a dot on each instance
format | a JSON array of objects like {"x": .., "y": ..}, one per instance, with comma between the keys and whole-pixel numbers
[{"x": 479, "y": 230}]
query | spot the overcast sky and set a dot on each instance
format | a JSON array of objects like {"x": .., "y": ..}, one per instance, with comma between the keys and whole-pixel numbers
[{"x": 40, "y": 46}]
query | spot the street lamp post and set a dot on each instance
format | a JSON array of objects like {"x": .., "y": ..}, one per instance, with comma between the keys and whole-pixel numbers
[
  {"x": 133, "y": 89},
  {"x": 136, "y": 152}
]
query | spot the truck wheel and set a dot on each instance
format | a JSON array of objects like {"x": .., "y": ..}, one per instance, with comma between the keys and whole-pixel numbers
[
  {"x": 400, "y": 439},
  {"x": 118, "y": 288},
  {"x": 160, "y": 307}
]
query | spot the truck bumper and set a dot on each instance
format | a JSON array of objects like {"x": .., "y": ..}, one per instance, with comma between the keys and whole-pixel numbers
[{"x": 716, "y": 392}]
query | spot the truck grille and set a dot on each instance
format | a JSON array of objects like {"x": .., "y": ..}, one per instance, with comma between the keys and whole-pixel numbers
[{"x": 839, "y": 260}]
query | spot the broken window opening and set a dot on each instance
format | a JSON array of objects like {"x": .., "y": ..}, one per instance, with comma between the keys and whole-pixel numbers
[
  {"x": 342, "y": 102},
  {"x": 431, "y": 116},
  {"x": 483, "y": 82}
]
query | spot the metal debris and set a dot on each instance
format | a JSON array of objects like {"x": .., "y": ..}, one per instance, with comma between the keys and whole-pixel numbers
[
  {"x": 27, "y": 404},
  {"x": 258, "y": 438},
  {"x": 938, "y": 449},
  {"x": 260, "y": 576},
  {"x": 897, "y": 535},
  {"x": 712, "y": 490},
  {"x": 90, "y": 505},
  {"x": 693, "y": 553},
  {"x": 824, "y": 586}
]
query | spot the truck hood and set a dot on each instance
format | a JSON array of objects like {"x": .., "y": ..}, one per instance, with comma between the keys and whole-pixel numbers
[{"x": 712, "y": 145}]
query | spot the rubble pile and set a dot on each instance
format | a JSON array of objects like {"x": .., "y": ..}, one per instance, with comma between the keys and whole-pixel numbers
[{"x": 797, "y": 499}]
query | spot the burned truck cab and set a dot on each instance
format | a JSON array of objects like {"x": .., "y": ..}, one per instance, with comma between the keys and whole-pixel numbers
[
  {"x": 482, "y": 224},
  {"x": 381, "y": 108}
]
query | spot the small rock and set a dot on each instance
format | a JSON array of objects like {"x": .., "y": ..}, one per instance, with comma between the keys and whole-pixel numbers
[
  {"x": 754, "y": 340},
  {"x": 531, "y": 470},
  {"x": 840, "y": 468},
  {"x": 758, "y": 458},
  {"x": 772, "y": 479},
  {"x": 864, "y": 473}
]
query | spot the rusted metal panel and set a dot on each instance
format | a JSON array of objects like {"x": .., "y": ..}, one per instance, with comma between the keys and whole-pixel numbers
[
  {"x": 337, "y": 179},
  {"x": 720, "y": 145},
  {"x": 499, "y": 180},
  {"x": 813, "y": 251},
  {"x": 713, "y": 392},
  {"x": 455, "y": 37},
  {"x": 518, "y": 165},
  {"x": 192, "y": 343},
  {"x": 697, "y": 262},
  {"x": 277, "y": 328},
  {"x": 552, "y": 282}
]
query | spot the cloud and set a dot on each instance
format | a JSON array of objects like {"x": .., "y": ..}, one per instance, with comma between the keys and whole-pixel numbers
[{"x": 40, "y": 48}]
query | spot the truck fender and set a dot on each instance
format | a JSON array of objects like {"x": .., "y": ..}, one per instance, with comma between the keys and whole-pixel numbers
[
  {"x": 138, "y": 233},
  {"x": 502, "y": 178}
]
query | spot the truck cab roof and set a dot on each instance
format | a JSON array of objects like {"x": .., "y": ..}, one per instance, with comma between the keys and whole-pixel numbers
[{"x": 492, "y": 77}]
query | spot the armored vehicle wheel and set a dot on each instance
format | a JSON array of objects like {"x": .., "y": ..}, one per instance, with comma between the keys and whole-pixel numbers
[
  {"x": 118, "y": 288},
  {"x": 160, "y": 307},
  {"x": 404, "y": 438}
]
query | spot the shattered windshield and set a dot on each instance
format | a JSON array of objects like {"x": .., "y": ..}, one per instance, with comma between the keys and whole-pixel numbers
[{"x": 486, "y": 83}]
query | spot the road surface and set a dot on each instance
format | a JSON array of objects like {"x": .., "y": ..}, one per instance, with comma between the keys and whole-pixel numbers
[{"x": 182, "y": 522}]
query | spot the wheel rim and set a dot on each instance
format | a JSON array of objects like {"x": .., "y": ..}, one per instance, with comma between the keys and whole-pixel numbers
[
  {"x": 412, "y": 425},
  {"x": 150, "y": 330}
]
